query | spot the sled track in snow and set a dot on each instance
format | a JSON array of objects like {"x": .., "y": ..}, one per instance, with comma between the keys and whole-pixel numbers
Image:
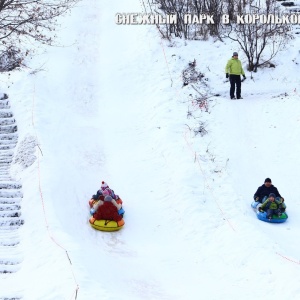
[{"x": 10, "y": 198}]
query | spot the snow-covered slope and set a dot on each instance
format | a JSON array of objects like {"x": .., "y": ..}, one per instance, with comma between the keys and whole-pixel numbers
[{"x": 111, "y": 106}]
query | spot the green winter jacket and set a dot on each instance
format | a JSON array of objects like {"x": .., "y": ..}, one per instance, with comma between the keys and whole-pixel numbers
[
  {"x": 234, "y": 67},
  {"x": 270, "y": 205}
]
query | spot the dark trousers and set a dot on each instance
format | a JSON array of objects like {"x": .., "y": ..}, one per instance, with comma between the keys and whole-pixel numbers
[
  {"x": 235, "y": 80},
  {"x": 271, "y": 212}
]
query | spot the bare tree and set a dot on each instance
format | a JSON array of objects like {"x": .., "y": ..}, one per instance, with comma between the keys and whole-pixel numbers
[
  {"x": 27, "y": 20},
  {"x": 260, "y": 41},
  {"x": 193, "y": 7},
  {"x": 254, "y": 40}
]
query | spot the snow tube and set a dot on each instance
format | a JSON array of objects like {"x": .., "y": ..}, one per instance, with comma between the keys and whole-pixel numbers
[
  {"x": 263, "y": 215},
  {"x": 106, "y": 225}
]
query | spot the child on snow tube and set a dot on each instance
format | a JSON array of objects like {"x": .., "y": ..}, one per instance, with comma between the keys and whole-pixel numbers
[
  {"x": 272, "y": 206},
  {"x": 98, "y": 199}
]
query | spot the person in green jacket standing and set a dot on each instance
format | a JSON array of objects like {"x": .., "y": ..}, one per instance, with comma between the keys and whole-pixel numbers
[{"x": 234, "y": 70}]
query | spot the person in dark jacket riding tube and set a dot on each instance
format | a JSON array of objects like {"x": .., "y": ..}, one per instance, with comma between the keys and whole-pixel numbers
[
  {"x": 234, "y": 70},
  {"x": 265, "y": 190},
  {"x": 271, "y": 206}
]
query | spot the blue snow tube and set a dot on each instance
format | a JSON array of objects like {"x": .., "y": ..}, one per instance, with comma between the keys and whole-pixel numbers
[
  {"x": 263, "y": 215},
  {"x": 121, "y": 211}
]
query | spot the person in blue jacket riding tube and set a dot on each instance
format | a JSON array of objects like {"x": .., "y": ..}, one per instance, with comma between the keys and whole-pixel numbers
[{"x": 265, "y": 190}]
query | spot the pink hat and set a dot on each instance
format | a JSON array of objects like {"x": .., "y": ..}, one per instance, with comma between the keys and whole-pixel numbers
[{"x": 104, "y": 185}]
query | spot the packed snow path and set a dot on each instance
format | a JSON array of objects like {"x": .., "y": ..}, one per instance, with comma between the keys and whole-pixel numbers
[
  {"x": 105, "y": 110},
  {"x": 10, "y": 196}
]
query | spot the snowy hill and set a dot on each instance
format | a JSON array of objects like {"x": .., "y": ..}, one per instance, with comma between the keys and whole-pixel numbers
[{"x": 111, "y": 106}]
